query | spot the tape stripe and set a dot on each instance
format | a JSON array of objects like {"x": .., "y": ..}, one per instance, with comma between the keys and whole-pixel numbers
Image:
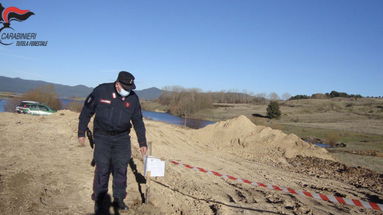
[
  {"x": 316, "y": 196},
  {"x": 324, "y": 197},
  {"x": 329, "y": 198},
  {"x": 284, "y": 189},
  {"x": 349, "y": 201},
  {"x": 365, "y": 204},
  {"x": 201, "y": 169},
  {"x": 374, "y": 205},
  {"x": 299, "y": 192},
  {"x": 246, "y": 181},
  {"x": 269, "y": 186},
  {"x": 232, "y": 178},
  {"x": 216, "y": 173},
  {"x": 340, "y": 200},
  {"x": 307, "y": 194},
  {"x": 357, "y": 202},
  {"x": 188, "y": 166},
  {"x": 277, "y": 188},
  {"x": 261, "y": 185},
  {"x": 291, "y": 191},
  {"x": 174, "y": 162}
]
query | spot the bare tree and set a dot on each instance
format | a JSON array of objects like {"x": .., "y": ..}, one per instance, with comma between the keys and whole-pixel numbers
[
  {"x": 260, "y": 95},
  {"x": 273, "y": 96},
  {"x": 184, "y": 102},
  {"x": 286, "y": 96},
  {"x": 45, "y": 94}
]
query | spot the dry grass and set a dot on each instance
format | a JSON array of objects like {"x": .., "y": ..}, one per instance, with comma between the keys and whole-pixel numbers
[
  {"x": 8, "y": 95},
  {"x": 358, "y": 142},
  {"x": 332, "y": 139},
  {"x": 369, "y": 162},
  {"x": 357, "y": 123},
  {"x": 153, "y": 106},
  {"x": 75, "y": 106},
  {"x": 338, "y": 119}
]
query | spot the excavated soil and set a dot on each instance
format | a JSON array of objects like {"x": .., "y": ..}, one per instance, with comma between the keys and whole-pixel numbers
[
  {"x": 359, "y": 177},
  {"x": 43, "y": 170}
]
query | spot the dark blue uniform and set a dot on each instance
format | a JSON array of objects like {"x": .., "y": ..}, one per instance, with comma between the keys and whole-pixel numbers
[{"x": 112, "y": 124}]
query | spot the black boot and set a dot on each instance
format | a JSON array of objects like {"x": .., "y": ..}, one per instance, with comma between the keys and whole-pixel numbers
[
  {"x": 102, "y": 204},
  {"x": 120, "y": 205}
]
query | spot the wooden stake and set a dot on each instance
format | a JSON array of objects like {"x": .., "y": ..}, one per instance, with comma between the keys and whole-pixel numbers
[{"x": 147, "y": 191}]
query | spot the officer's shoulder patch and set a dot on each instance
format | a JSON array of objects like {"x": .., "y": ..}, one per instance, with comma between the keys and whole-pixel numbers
[
  {"x": 90, "y": 99},
  {"x": 105, "y": 101}
]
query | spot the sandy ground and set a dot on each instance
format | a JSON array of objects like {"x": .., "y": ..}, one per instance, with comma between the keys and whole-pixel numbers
[{"x": 43, "y": 170}]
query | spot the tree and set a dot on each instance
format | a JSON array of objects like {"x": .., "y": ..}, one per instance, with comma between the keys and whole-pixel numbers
[
  {"x": 184, "y": 102},
  {"x": 299, "y": 97},
  {"x": 273, "y": 110},
  {"x": 273, "y": 96},
  {"x": 45, "y": 94},
  {"x": 261, "y": 95},
  {"x": 286, "y": 96}
]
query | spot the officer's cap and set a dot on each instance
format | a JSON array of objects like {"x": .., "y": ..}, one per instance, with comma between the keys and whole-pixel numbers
[{"x": 126, "y": 79}]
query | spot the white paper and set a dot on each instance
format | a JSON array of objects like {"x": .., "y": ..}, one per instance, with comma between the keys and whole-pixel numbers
[{"x": 155, "y": 166}]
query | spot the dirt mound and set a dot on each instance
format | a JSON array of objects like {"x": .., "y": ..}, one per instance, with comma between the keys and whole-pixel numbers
[
  {"x": 242, "y": 137},
  {"x": 357, "y": 176},
  {"x": 43, "y": 170}
]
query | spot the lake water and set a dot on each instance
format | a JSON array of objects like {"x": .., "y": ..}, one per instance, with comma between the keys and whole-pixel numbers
[
  {"x": 171, "y": 119},
  {"x": 322, "y": 145},
  {"x": 65, "y": 102},
  {"x": 163, "y": 117},
  {"x": 2, "y": 104}
]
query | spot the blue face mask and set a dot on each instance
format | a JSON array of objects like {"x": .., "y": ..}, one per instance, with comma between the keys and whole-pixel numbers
[{"x": 123, "y": 92}]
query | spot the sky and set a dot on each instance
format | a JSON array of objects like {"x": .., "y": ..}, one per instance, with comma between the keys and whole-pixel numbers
[{"x": 258, "y": 46}]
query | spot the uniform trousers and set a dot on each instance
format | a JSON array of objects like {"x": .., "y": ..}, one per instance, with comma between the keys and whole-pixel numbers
[{"x": 112, "y": 155}]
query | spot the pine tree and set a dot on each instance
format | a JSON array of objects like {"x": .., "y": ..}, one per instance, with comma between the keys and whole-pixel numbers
[{"x": 273, "y": 110}]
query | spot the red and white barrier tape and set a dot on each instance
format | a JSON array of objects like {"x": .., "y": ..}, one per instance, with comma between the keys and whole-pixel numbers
[{"x": 330, "y": 198}]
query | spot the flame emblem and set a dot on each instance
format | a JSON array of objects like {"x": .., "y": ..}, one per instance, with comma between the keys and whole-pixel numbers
[
  {"x": 13, "y": 13},
  {"x": 10, "y": 14}
]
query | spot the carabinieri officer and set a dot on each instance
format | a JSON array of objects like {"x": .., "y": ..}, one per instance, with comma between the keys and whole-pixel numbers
[{"x": 116, "y": 106}]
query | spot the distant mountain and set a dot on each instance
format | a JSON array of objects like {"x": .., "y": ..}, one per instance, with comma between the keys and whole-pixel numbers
[
  {"x": 18, "y": 85},
  {"x": 149, "y": 93}
]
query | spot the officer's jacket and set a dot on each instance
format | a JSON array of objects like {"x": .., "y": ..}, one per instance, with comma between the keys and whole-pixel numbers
[{"x": 114, "y": 113}]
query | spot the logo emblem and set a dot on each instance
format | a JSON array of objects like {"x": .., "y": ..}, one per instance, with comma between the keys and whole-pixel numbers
[
  {"x": 127, "y": 104},
  {"x": 10, "y": 14}
]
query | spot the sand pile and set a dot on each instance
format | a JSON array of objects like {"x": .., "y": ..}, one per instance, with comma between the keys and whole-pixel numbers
[
  {"x": 242, "y": 137},
  {"x": 44, "y": 170}
]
